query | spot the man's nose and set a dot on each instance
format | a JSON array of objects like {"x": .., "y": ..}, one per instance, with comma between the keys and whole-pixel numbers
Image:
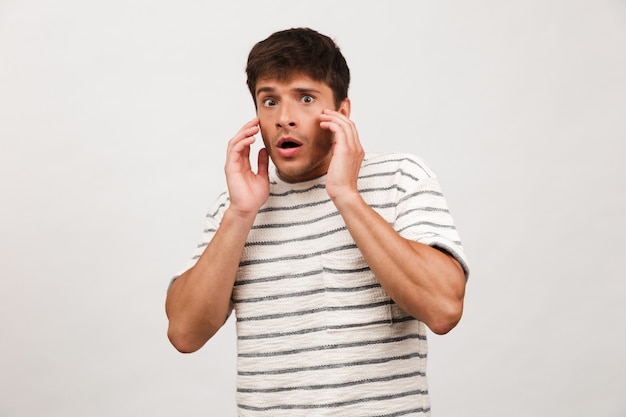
[{"x": 286, "y": 118}]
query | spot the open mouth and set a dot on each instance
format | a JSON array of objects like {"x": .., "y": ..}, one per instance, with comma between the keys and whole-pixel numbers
[
  {"x": 288, "y": 147},
  {"x": 289, "y": 144}
]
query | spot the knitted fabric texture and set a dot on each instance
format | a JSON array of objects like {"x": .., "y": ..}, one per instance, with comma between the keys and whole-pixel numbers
[{"x": 317, "y": 334}]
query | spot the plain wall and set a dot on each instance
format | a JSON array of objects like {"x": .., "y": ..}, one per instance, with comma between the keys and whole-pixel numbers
[{"x": 114, "y": 118}]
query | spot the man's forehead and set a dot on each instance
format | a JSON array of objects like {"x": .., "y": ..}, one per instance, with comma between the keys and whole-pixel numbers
[{"x": 293, "y": 82}]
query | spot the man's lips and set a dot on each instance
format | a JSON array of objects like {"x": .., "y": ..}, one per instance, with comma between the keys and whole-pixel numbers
[
  {"x": 287, "y": 142},
  {"x": 288, "y": 147}
]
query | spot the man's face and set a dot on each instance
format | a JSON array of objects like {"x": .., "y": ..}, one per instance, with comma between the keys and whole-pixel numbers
[{"x": 289, "y": 118}]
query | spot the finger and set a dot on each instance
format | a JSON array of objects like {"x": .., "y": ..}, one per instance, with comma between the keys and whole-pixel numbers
[
  {"x": 239, "y": 152},
  {"x": 249, "y": 129},
  {"x": 330, "y": 117},
  {"x": 252, "y": 123},
  {"x": 328, "y": 121},
  {"x": 344, "y": 120},
  {"x": 243, "y": 139},
  {"x": 343, "y": 128},
  {"x": 263, "y": 162}
]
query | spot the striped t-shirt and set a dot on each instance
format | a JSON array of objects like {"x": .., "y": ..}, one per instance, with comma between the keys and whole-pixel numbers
[{"x": 316, "y": 333}]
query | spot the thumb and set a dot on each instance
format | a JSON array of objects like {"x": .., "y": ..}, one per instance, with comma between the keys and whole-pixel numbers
[{"x": 263, "y": 162}]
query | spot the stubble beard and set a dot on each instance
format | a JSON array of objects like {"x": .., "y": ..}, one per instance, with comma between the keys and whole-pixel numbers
[{"x": 293, "y": 171}]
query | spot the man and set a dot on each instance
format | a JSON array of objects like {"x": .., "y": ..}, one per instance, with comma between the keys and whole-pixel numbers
[{"x": 334, "y": 261}]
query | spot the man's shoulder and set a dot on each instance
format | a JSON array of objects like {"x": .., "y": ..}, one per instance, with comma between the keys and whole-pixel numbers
[
  {"x": 219, "y": 205},
  {"x": 395, "y": 161}
]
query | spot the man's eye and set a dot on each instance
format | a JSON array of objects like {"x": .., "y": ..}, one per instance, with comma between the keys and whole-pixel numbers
[
  {"x": 269, "y": 102},
  {"x": 307, "y": 99}
]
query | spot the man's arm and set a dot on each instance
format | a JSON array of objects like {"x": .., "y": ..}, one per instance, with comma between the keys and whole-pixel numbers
[
  {"x": 198, "y": 301},
  {"x": 425, "y": 282}
]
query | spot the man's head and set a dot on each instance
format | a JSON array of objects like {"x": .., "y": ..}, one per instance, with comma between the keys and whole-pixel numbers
[{"x": 299, "y": 52}]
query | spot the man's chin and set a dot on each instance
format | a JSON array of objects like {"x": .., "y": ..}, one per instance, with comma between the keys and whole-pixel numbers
[{"x": 295, "y": 174}]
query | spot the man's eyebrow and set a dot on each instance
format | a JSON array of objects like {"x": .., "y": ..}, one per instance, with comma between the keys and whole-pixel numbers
[
  {"x": 303, "y": 90},
  {"x": 265, "y": 90},
  {"x": 300, "y": 90}
]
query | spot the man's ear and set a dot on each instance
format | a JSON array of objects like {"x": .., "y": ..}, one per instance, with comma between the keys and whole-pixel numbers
[{"x": 344, "y": 107}]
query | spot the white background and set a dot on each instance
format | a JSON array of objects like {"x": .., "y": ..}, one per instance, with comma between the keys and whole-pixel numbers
[{"x": 114, "y": 117}]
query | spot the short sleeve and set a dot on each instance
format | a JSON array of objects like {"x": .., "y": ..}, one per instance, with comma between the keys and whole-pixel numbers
[
  {"x": 422, "y": 214},
  {"x": 212, "y": 222}
]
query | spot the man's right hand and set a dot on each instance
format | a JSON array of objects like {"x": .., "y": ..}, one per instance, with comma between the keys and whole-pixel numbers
[
  {"x": 248, "y": 190},
  {"x": 198, "y": 302}
]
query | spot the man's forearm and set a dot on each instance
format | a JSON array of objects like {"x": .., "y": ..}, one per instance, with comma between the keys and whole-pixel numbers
[
  {"x": 425, "y": 282},
  {"x": 198, "y": 301}
]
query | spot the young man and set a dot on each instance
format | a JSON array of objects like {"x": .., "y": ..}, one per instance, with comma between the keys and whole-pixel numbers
[{"x": 334, "y": 261}]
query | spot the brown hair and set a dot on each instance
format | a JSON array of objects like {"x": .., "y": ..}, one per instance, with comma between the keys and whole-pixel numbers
[{"x": 299, "y": 51}]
